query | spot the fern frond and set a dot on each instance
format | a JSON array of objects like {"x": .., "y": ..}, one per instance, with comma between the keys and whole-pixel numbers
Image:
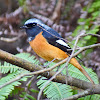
[
  {"x": 74, "y": 72},
  {"x": 54, "y": 90},
  {"x": 15, "y": 72},
  {"x": 7, "y": 67},
  {"x": 28, "y": 57},
  {"x": 5, "y": 91},
  {"x": 91, "y": 97}
]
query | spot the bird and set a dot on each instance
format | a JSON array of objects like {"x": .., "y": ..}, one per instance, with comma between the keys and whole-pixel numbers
[{"x": 48, "y": 44}]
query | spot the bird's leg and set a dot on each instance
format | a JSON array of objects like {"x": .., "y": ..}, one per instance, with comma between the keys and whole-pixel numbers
[
  {"x": 49, "y": 63},
  {"x": 58, "y": 68}
]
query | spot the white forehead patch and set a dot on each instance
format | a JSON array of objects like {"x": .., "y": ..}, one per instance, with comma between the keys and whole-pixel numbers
[
  {"x": 62, "y": 43},
  {"x": 33, "y": 21},
  {"x": 39, "y": 22}
]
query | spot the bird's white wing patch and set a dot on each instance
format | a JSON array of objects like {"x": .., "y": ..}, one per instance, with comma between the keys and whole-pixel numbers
[{"x": 62, "y": 43}]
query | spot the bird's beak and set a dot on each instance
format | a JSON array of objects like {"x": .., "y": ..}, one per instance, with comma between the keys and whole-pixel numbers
[{"x": 23, "y": 27}]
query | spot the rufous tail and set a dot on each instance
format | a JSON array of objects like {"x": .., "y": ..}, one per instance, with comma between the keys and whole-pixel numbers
[{"x": 75, "y": 63}]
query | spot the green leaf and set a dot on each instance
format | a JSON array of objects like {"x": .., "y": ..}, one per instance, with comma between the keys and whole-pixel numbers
[
  {"x": 30, "y": 97},
  {"x": 81, "y": 20},
  {"x": 22, "y": 2},
  {"x": 95, "y": 14},
  {"x": 34, "y": 91},
  {"x": 86, "y": 27}
]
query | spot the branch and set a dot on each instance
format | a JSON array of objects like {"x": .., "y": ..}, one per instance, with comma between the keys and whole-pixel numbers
[
  {"x": 59, "y": 78},
  {"x": 79, "y": 95},
  {"x": 9, "y": 40},
  {"x": 57, "y": 11},
  {"x": 32, "y": 73}
]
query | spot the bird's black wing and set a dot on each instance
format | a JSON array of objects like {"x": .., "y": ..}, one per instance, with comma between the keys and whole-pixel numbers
[
  {"x": 58, "y": 43},
  {"x": 54, "y": 39}
]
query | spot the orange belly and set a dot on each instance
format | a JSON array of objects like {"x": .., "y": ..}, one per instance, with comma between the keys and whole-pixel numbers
[{"x": 45, "y": 50}]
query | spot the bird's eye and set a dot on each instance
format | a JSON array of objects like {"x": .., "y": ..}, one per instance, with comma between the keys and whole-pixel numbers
[
  {"x": 31, "y": 25},
  {"x": 34, "y": 24}
]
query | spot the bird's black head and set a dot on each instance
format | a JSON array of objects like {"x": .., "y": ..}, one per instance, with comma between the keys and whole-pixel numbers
[{"x": 34, "y": 27}]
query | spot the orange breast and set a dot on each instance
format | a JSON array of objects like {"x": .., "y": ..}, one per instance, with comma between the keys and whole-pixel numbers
[{"x": 45, "y": 50}]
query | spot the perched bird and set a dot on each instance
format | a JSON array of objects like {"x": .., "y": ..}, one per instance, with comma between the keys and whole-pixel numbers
[{"x": 48, "y": 44}]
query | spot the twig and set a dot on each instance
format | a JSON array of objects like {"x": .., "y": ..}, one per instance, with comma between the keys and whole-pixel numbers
[
  {"x": 57, "y": 11},
  {"x": 9, "y": 39},
  {"x": 30, "y": 81},
  {"x": 79, "y": 95},
  {"x": 28, "y": 85},
  {"x": 15, "y": 13},
  {"x": 73, "y": 50},
  {"x": 86, "y": 47},
  {"x": 97, "y": 35}
]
